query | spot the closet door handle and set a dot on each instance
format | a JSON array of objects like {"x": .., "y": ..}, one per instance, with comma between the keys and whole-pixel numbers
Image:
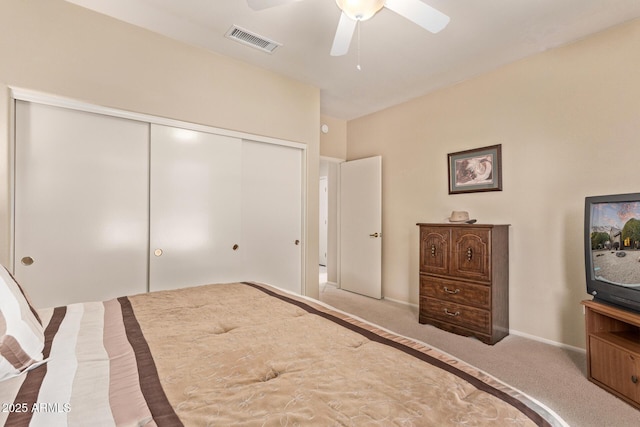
[
  {"x": 235, "y": 247},
  {"x": 27, "y": 261},
  {"x": 297, "y": 242},
  {"x": 157, "y": 252}
]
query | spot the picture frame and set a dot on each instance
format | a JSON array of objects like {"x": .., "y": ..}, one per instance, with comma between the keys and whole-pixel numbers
[{"x": 476, "y": 170}]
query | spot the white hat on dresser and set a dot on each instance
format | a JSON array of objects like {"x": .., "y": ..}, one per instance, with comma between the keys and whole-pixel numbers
[{"x": 461, "y": 216}]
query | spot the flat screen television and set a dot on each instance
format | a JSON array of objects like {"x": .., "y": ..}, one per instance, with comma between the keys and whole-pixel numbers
[{"x": 612, "y": 248}]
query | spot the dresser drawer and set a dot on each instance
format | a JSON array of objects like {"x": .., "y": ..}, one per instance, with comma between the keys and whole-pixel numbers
[
  {"x": 453, "y": 291},
  {"x": 457, "y": 314}
]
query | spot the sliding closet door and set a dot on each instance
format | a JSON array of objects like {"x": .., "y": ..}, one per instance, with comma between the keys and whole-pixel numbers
[
  {"x": 81, "y": 205},
  {"x": 195, "y": 208},
  {"x": 272, "y": 214}
]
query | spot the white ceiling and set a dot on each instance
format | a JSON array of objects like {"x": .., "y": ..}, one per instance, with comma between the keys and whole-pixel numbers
[{"x": 399, "y": 60}]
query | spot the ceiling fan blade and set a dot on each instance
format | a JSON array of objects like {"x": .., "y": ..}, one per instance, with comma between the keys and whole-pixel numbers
[
  {"x": 344, "y": 34},
  {"x": 266, "y": 4},
  {"x": 422, "y": 14}
]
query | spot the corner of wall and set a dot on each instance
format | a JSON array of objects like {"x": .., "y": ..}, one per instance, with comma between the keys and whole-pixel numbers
[
  {"x": 5, "y": 175},
  {"x": 333, "y": 143}
]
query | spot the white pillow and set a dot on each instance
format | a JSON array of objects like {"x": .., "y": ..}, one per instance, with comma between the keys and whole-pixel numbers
[{"x": 21, "y": 332}]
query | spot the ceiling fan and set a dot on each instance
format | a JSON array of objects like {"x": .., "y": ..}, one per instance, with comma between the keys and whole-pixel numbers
[{"x": 354, "y": 11}]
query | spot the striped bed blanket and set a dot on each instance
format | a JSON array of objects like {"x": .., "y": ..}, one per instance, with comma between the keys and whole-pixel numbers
[{"x": 246, "y": 354}]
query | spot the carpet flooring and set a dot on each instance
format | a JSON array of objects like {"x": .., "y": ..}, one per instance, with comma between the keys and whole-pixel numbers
[{"x": 554, "y": 376}]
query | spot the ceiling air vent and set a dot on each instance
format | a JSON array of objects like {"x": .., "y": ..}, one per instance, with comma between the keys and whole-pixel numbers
[{"x": 250, "y": 39}]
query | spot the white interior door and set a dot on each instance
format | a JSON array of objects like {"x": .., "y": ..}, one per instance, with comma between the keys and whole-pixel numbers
[
  {"x": 323, "y": 220},
  {"x": 272, "y": 214},
  {"x": 361, "y": 226},
  {"x": 81, "y": 205},
  {"x": 195, "y": 220}
]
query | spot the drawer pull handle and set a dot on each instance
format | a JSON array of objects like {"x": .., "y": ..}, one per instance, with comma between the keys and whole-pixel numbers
[
  {"x": 433, "y": 250},
  {"x": 449, "y": 291},
  {"x": 469, "y": 254},
  {"x": 634, "y": 379},
  {"x": 448, "y": 313}
]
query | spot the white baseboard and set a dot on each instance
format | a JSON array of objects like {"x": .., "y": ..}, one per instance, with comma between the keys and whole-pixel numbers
[
  {"x": 401, "y": 302},
  {"x": 546, "y": 341}
]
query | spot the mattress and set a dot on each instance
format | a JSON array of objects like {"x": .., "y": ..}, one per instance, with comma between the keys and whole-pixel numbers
[{"x": 247, "y": 354}]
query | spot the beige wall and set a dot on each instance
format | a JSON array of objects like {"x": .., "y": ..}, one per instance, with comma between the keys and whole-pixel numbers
[
  {"x": 333, "y": 149},
  {"x": 58, "y": 48},
  {"x": 569, "y": 123},
  {"x": 334, "y": 143}
]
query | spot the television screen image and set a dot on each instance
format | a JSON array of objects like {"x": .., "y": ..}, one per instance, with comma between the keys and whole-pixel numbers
[{"x": 615, "y": 242}]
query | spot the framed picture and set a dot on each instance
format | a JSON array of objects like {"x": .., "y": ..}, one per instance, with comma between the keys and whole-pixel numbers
[{"x": 476, "y": 170}]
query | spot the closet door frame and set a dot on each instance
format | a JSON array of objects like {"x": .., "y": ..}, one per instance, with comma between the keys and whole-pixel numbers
[{"x": 21, "y": 94}]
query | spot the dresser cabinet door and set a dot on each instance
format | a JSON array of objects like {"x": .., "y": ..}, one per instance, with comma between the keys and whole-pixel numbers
[
  {"x": 615, "y": 367},
  {"x": 471, "y": 254},
  {"x": 434, "y": 253}
]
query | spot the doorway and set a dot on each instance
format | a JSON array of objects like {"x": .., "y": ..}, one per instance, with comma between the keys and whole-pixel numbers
[
  {"x": 328, "y": 222},
  {"x": 366, "y": 269}
]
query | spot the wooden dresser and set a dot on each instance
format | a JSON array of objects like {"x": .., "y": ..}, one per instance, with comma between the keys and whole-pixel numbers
[
  {"x": 613, "y": 349},
  {"x": 464, "y": 279}
]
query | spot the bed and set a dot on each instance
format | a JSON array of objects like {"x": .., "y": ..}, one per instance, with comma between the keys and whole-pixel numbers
[{"x": 235, "y": 354}]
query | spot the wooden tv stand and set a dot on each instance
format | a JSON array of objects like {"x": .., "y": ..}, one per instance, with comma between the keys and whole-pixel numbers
[{"x": 613, "y": 350}]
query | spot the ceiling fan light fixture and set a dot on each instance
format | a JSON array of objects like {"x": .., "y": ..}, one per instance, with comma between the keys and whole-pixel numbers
[{"x": 360, "y": 10}]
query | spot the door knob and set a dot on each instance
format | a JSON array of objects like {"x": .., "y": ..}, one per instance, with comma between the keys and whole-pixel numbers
[
  {"x": 27, "y": 261},
  {"x": 375, "y": 235},
  {"x": 297, "y": 242}
]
